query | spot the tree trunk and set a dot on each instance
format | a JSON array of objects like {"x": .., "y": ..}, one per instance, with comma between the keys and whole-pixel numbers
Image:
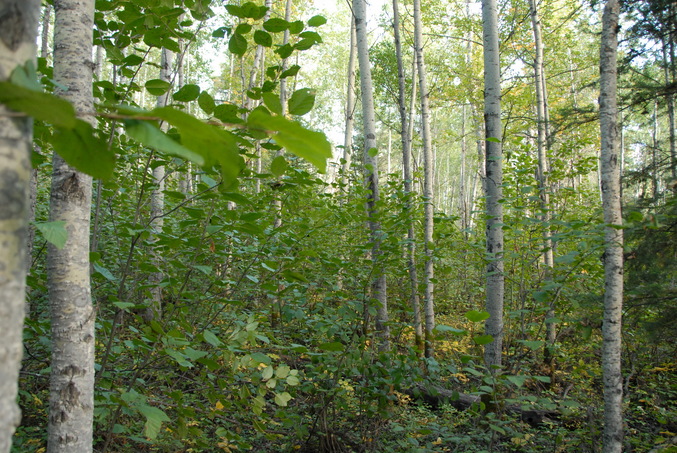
[
  {"x": 350, "y": 108},
  {"x": 543, "y": 141},
  {"x": 371, "y": 174},
  {"x": 406, "y": 168},
  {"x": 613, "y": 254},
  {"x": 157, "y": 202},
  {"x": 494, "y": 179},
  {"x": 71, "y": 400},
  {"x": 17, "y": 46},
  {"x": 428, "y": 195}
]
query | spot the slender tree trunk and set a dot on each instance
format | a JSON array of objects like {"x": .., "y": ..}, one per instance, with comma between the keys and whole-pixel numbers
[
  {"x": 157, "y": 203},
  {"x": 71, "y": 402},
  {"x": 17, "y": 46},
  {"x": 613, "y": 254},
  {"x": 406, "y": 168},
  {"x": 494, "y": 180},
  {"x": 371, "y": 174},
  {"x": 428, "y": 195},
  {"x": 350, "y": 108},
  {"x": 543, "y": 142},
  {"x": 670, "y": 99}
]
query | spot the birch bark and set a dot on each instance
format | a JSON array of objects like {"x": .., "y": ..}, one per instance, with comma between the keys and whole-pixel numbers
[
  {"x": 493, "y": 182},
  {"x": 71, "y": 400},
  {"x": 428, "y": 195},
  {"x": 406, "y": 169},
  {"x": 18, "y": 32},
  {"x": 350, "y": 108},
  {"x": 613, "y": 254},
  {"x": 371, "y": 174}
]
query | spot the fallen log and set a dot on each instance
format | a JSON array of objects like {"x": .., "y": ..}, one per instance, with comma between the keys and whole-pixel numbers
[{"x": 435, "y": 396}]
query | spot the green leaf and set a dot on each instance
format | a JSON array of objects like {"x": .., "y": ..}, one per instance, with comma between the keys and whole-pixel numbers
[
  {"x": 545, "y": 379},
  {"x": 278, "y": 166},
  {"x": 281, "y": 399},
  {"x": 263, "y": 38},
  {"x": 235, "y": 10},
  {"x": 84, "y": 150},
  {"x": 275, "y": 25},
  {"x": 243, "y": 29},
  {"x": 373, "y": 152},
  {"x": 301, "y": 102},
  {"x": 41, "y": 106},
  {"x": 493, "y": 139},
  {"x": 477, "y": 316},
  {"x": 187, "y": 93},
  {"x": 293, "y": 380},
  {"x": 310, "y": 145},
  {"x": 154, "y": 419},
  {"x": 206, "y": 103},
  {"x": 54, "y": 232},
  {"x": 211, "y": 338},
  {"x": 125, "y": 306},
  {"x": 453, "y": 330},
  {"x": 237, "y": 44},
  {"x": 518, "y": 381},
  {"x": 285, "y": 51},
  {"x": 294, "y": 276},
  {"x": 316, "y": 21},
  {"x": 272, "y": 101},
  {"x": 483, "y": 339},
  {"x": 291, "y": 72},
  {"x": 149, "y": 135},
  {"x": 334, "y": 346},
  {"x": 260, "y": 357},
  {"x": 157, "y": 87},
  {"x": 296, "y": 27},
  {"x": 105, "y": 272},
  {"x": 228, "y": 113},
  {"x": 533, "y": 345}
]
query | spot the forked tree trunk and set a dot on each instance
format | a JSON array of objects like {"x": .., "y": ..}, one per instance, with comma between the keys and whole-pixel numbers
[
  {"x": 17, "y": 46},
  {"x": 613, "y": 253},
  {"x": 494, "y": 179},
  {"x": 371, "y": 175},
  {"x": 71, "y": 402},
  {"x": 428, "y": 195},
  {"x": 406, "y": 169}
]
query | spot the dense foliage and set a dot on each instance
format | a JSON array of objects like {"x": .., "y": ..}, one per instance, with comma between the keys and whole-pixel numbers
[{"x": 266, "y": 340}]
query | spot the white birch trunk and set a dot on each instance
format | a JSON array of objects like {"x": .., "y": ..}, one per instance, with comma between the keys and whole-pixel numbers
[
  {"x": 371, "y": 174},
  {"x": 613, "y": 254},
  {"x": 406, "y": 169},
  {"x": 17, "y": 46},
  {"x": 428, "y": 195},
  {"x": 494, "y": 179},
  {"x": 71, "y": 401},
  {"x": 543, "y": 141},
  {"x": 350, "y": 108}
]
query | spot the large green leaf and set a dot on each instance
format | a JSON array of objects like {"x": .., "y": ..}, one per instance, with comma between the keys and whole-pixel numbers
[
  {"x": 301, "y": 102},
  {"x": 84, "y": 150},
  {"x": 263, "y": 38},
  {"x": 310, "y": 145},
  {"x": 54, "y": 232},
  {"x": 157, "y": 87},
  {"x": 275, "y": 25},
  {"x": 42, "y": 106},
  {"x": 154, "y": 419},
  {"x": 215, "y": 145},
  {"x": 237, "y": 44},
  {"x": 149, "y": 135},
  {"x": 316, "y": 21},
  {"x": 477, "y": 316},
  {"x": 187, "y": 93}
]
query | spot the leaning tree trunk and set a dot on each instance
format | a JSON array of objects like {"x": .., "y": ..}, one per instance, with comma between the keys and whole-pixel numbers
[
  {"x": 71, "y": 402},
  {"x": 406, "y": 168},
  {"x": 613, "y": 237},
  {"x": 428, "y": 195},
  {"x": 371, "y": 174},
  {"x": 494, "y": 179},
  {"x": 19, "y": 23}
]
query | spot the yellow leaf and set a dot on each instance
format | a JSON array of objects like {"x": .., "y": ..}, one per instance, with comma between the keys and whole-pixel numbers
[{"x": 219, "y": 406}]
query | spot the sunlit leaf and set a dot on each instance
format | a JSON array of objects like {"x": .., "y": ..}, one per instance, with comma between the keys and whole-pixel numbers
[{"x": 54, "y": 232}]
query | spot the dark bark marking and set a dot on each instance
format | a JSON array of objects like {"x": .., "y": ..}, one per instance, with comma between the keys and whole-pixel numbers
[
  {"x": 13, "y": 30},
  {"x": 12, "y": 203}
]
